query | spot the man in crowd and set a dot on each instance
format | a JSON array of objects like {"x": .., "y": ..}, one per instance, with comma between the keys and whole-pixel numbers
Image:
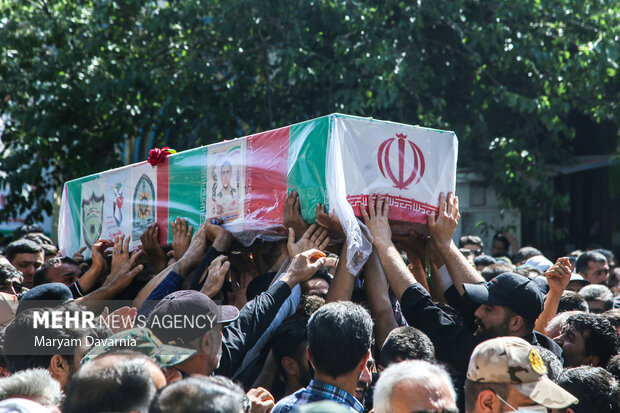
[
  {"x": 507, "y": 374},
  {"x": 597, "y": 390},
  {"x": 122, "y": 382},
  {"x": 588, "y": 339},
  {"x": 21, "y": 351},
  {"x": 508, "y": 305},
  {"x": 593, "y": 267},
  {"x": 339, "y": 338},
  {"x": 405, "y": 343},
  {"x": 599, "y": 298},
  {"x": 414, "y": 386},
  {"x": 200, "y": 395},
  {"x": 26, "y": 256},
  {"x": 289, "y": 345}
]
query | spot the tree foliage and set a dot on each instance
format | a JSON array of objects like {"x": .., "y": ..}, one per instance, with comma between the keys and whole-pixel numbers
[{"x": 89, "y": 85}]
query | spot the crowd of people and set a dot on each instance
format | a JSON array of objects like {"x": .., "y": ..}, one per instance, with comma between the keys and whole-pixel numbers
[{"x": 427, "y": 325}]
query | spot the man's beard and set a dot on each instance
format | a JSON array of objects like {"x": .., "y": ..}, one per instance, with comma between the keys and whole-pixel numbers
[{"x": 490, "y": 331}]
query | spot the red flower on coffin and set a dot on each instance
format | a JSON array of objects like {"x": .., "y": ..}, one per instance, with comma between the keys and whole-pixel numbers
[{"x": 157, "y": 156}]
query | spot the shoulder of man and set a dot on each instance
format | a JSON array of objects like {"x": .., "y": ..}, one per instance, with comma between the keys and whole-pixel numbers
[{"x": 549, "y": 344}]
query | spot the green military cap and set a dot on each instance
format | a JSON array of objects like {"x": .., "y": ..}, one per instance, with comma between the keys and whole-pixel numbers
[{"x": 143, "y": 341}]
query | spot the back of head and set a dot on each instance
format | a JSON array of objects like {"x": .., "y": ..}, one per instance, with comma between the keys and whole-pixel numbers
[
  {"x": 406, "y": 343},
  {"x": 124, "y": 384},
  {"x": 600, "y": 294},
  {"x": 585, "y": 258},
  {"x": 552, "y": 362},
  {"x": 21, "y": 246},
  {"x": 601, "y": 340},
  {"x": 525, "y": 254},
  {"x": 415, "y": 373},
  {"x": 33, "y": 384},
  {"x": 199, "y": 395},
  {"x": 339, "y": 336},
  {"x": 496, "y": 269},
  {"x": 572, "y": 301},
  {"x": 613, "y": 316},
  {"x": 21, "y": 350},
  {"x": 7, "y": 273},
  {"x": 288, "y": 340},
  {"x": 613, "y": 366},
  {"x": 471, "y": 239},
  {"x": 596, "y": 389}
]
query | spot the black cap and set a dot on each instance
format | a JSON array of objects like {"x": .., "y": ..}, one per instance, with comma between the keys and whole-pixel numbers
[
  {"x": 511, "y": 290},
  {"x": 45, "y": 295},
  {"x": 182, "y": 316}
]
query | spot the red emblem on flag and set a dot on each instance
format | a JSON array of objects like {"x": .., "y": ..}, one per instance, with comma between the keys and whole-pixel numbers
[{"x": 408, "y": 152}]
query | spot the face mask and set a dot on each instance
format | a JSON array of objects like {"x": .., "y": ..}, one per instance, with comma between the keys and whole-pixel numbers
[{"x": 525, "y": 409}]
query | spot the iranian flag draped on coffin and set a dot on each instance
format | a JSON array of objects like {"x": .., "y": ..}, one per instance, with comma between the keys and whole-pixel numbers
[{"x": 335, "y": 160}]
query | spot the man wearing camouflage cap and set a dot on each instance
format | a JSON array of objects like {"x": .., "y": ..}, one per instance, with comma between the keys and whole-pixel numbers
[
  {"x": 508, "y": 374},
  {"x": 142, "y": 340}
]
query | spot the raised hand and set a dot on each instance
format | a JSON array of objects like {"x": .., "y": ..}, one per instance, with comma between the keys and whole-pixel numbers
[
  {"x": 329, "y": 221},
  {"x": 151, "y": 247},
  {"x": 376, "y": 219},
  {"x": 303, "y": 266},
  {"x": 119, "y": 280},
  {"x": 181, "y": 237},
  {"x": 78, "y": 256},
  {"x": 120, "y": 253},
  {"x": 217, "y": 273},
  {"x": 558, "y": 275},
  {"x": 195, "y": 252},
  {"x": 292, "y": 214},
  {"x": 100, "y": 264},
  {"x": 217, "y": 234},
  {"x": 443, "y": 226},
  {"x": 121, "y": 319},
  {"x": 314, "y": 237}
]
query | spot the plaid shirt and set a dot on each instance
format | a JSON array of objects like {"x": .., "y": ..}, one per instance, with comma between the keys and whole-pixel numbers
[{"x": 316, "y": 392}]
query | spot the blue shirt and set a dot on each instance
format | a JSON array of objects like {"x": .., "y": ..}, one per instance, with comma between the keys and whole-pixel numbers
[{"x": 316, "y": 392}]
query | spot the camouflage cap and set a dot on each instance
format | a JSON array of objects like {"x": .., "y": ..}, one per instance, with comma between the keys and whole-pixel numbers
[
  {"x": 143, "y": 341},
  {"x": 512, "y": 360}
]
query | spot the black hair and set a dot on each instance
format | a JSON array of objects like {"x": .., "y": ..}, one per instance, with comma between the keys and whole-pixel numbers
[
  {"x": 525, "y": 254},
  {"x": 40, "y": 275},
  {"x": 21, "y": 246},
  {"x": 586, "y": 258},
  {"x": 596, "y": 389},
  {"x": 471, "y": 239},
  {"x": 603, "y": 340},
  {"x": 406, "y": 343},
  {"x": 199, "y": 395},
  {"x": 21, "y": 351},
  {"x": 571, "y": 301},
  {"x": 496, "y": 269},
  {"x": 7, "y": 272},
  {"x": 126, "y": 386},
  {"x": 484, "y": 260},
  {"x": 288, "y": 338},
  {"x": 339, "y": 336},
  {"x": 552, "y": 362}
]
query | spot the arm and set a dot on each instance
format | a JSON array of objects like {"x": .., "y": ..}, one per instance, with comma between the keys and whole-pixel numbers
[
  {"x": 442, "y": 229},
  {"x": 116, "y": 283},
  {"x": 97, "y": 269},
  {"x": 343, "y": 283},
  {"x": 152, "y": 249},
  {"x": 258, "y": 314},
  {"x": 376, "y": 289},
  {"x": 558, "y": 278},
  {"x": 376, "y": 219}
]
